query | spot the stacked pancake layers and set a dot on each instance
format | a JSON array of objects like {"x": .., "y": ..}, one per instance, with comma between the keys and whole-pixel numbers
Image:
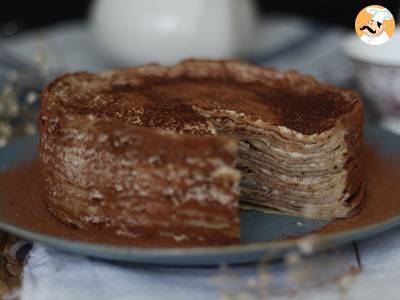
[{"x": 167, "y": 151}]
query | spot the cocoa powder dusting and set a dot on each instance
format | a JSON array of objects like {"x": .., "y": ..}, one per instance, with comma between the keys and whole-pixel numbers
[
  {"x": 310, "y": 111},
  {"x": 21, "y": 204}
]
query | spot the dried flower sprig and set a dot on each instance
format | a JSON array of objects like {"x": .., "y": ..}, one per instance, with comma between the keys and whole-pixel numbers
[{"x": 300, "y": 270}]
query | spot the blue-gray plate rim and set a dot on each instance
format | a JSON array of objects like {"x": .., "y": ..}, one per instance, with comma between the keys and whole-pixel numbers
[{"x": 248, "y": 252}]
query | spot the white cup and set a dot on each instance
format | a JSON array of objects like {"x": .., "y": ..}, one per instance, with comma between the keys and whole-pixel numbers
[{"x": 166, "y": 31}]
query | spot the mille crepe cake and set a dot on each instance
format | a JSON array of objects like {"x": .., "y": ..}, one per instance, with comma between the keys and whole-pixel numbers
[{"x": 151, "y": 150}]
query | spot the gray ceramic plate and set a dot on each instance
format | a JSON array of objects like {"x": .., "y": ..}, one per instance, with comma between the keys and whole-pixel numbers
[{"x": 262, "y": 233}]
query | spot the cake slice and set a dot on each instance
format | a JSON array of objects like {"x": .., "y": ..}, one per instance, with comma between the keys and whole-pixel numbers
[
  {"x": 299, "y": 146},
  {"x": 142, "y": 183}
]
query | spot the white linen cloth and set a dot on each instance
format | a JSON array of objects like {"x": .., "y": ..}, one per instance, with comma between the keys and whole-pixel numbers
[{"x": 54, "y": 275}]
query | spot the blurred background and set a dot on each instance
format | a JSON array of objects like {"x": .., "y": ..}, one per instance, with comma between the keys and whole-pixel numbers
[
  {"x": 41, "y": 39},
  {"x": 27, "y": 15}
]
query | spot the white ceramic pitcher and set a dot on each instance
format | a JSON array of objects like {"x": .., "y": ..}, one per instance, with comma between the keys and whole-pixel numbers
[{"x": 166, "y": 31}]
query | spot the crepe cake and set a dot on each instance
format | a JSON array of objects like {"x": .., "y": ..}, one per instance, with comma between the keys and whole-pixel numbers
[{"x": 155, "y": 151}]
